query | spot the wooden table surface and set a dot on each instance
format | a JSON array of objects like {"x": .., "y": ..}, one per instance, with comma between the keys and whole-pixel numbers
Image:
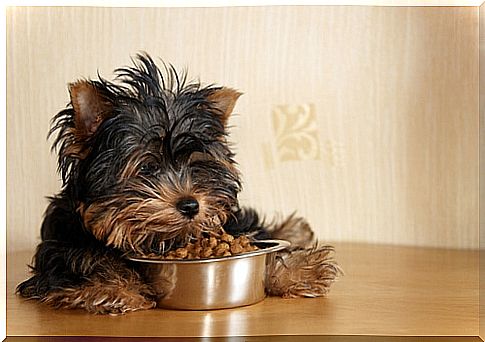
[{"x": 386, "y": 291}]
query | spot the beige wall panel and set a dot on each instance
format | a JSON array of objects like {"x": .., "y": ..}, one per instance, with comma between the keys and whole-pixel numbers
[{"x": 363, "y": 119}]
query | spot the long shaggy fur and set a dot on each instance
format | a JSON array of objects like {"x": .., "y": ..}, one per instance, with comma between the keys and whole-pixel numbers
[
  {"x": 130, "y": 153},
  {"x": 302, "y": 272}
]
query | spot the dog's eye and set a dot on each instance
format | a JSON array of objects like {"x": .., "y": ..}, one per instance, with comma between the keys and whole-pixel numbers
[{"x": 149, "y": 168}]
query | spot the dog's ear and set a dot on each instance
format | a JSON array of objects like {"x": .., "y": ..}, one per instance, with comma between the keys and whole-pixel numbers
[
  {"x": 91, "y": 107},
  {"x": 223, "y": 100}
]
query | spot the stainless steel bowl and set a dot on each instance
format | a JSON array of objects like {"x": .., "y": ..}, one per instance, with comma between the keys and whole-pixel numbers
[{"x": 216, "y": 283}]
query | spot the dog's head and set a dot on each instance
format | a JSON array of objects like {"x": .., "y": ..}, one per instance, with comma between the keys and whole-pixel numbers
[{"x": 146, "y": 157}]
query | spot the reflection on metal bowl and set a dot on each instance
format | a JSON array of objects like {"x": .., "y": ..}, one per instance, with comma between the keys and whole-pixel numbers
[{"x": 217, "y": 283}]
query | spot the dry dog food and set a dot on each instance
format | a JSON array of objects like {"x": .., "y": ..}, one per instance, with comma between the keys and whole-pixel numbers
[{"x": 220, "y": 245}]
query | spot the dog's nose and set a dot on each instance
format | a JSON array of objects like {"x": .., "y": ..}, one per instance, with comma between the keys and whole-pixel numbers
[{"x": 188, "y": 207}]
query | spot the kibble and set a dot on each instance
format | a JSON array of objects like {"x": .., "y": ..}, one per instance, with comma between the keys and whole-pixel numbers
[{"x": 218, "y": 245}]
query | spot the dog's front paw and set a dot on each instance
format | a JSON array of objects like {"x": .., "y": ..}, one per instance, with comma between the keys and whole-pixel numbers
[
  {"x": 122, "y": 305},
  {"x": 302, "y": 273},
  {"x": 100, "y": 298}
]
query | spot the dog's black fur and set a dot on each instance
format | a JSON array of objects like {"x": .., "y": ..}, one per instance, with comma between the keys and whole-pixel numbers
[{"x": 146, "y": 167}]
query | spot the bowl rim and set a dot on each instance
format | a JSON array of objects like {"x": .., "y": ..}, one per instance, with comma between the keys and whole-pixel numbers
[{"x": 278, "y": 245}]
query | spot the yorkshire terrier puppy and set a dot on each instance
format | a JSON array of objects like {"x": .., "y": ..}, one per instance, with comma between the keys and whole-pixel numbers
[{"x": 146, "y": 167}]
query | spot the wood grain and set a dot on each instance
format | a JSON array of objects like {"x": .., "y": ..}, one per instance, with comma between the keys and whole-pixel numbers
[
  {"x": 386, "y": 291},
  {"x": 394, "y": 92}
]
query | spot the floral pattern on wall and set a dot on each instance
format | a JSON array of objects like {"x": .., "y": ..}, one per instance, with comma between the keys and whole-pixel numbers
[
  {"x": 296, "y": 137},
  {"x": 296, "y": 132}
]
